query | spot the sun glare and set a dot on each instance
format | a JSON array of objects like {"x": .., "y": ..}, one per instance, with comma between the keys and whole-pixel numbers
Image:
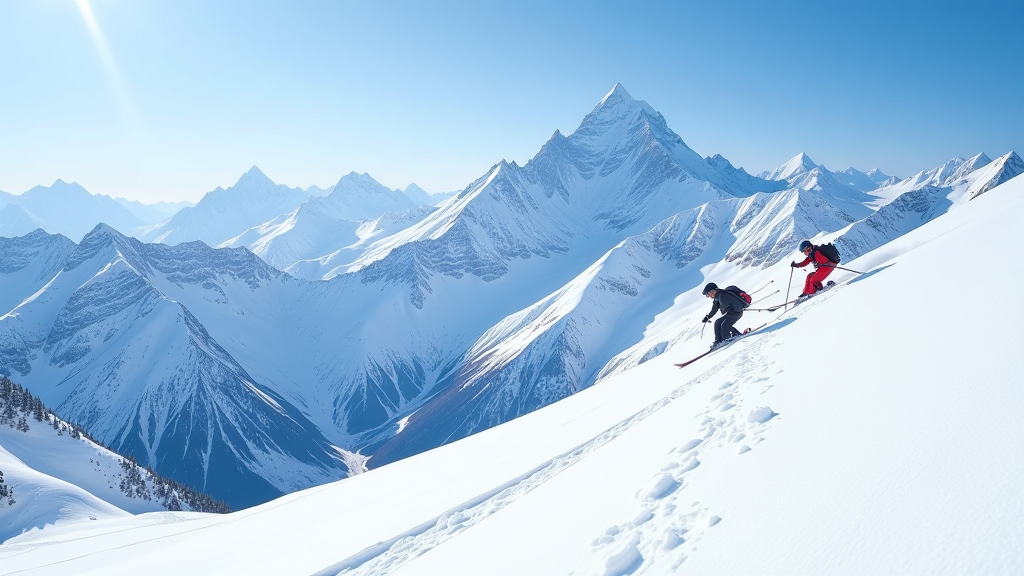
[
  {"x": 90, "y": 18},
  {"x": 117, "y": 85}
]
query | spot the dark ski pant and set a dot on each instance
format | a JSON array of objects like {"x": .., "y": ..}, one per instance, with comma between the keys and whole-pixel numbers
[
  {"x": 815, "y": 279},
  {"x": 724, "y": 326}
]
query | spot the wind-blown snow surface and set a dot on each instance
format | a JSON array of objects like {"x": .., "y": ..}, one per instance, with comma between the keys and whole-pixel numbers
[{"x": 863, "y": 432}]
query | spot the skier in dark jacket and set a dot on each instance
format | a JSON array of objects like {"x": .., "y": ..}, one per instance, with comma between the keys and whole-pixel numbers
[
  {"x": 732, "y": 309},
  {"x": 822, "y": 267}
]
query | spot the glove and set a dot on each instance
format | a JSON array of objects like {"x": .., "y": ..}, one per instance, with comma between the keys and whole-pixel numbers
[
  {"x": 793, "y": 264},
  {"x": 706, "y": 318}
]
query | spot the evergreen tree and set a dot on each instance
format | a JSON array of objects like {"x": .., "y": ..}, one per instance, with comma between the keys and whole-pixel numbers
[
  {"x": 6, "y": 492},
  {"x": 17, "y": 404}
]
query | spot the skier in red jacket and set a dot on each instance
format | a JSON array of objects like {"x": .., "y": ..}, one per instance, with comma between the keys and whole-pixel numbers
[{"x": 822, "y": 268}]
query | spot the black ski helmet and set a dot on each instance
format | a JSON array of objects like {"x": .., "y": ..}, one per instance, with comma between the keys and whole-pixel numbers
[
  {"x": 805, "y": 245},
  {"x": 711, "y": 286}
]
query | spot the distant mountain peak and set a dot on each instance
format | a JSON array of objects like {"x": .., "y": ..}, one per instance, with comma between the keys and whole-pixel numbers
[
  {"x": 799, "y": 164},
  {"x": 357, "y": 177},
  {"x": 968, "y": 166},
  {"x": 362, "y": 184},
  {"x": 254, "y": 176},
  {"x": 102, "y": 228},
  {"x": 980, "y": 159},
  {"x": 617, "y": 95},
  {"x": 615, "y": 108},
  {"x": 804, "y": 160},
  {"x": 720, "y": 162},
  {"x": 996, "y": 172},
  {"x": 60, "y": 185}
]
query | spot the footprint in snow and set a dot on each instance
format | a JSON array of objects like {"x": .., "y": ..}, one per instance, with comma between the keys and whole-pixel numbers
[
  {"x": 659, "y": 487},
  {"x": 761, "y": 415},
  {"x": 625, "y": 560}
]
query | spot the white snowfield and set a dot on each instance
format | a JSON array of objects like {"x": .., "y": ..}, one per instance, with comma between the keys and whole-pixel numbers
[{"x": 874, "y": 429}]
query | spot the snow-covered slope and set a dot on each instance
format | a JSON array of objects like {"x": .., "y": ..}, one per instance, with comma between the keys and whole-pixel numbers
[
  {"x": 223, "y": 214},
  {"x": 41, "y": 500},
  {"x": 763, "y": 458},
  {"x": 55, "y": 475}
]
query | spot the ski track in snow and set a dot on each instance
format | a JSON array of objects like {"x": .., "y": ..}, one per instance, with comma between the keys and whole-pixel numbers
[
  {"x": 664, "y": 523},
  {"x": 668, "y": 524}
]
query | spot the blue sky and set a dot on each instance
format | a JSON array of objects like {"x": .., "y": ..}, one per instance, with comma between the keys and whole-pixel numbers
[{"x": 167, "y": 99}]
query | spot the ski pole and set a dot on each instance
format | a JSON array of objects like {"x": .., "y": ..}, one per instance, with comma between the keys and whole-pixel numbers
[
  {"x": 841, "y": 268},
  {"x": 790, "y": 285},
  {"x": 762, "y": 288},
  {"x": 763, "y": 297}
]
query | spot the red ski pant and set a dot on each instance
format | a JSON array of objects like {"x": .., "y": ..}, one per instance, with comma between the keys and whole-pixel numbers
[{"x": 815, "y": 279}]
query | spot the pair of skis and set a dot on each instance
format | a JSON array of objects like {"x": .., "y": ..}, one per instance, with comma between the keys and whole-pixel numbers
[{"x": 724, "y": 345}]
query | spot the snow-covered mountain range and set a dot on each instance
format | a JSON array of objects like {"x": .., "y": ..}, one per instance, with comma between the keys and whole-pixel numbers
[
  {"x": 107, "y": 340},
  {"x": 325, "y": 232},
  {"x": 828, "y": 442},
  {"x": 63, "y": 208},
  {"x": 149, "y": 214},
  {"x": 222, "y": 214},
  {"x": 531, "y": 284}
]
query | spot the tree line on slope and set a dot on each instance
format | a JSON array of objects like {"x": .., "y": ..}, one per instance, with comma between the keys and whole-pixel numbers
[{"x": 17, "y": 405}]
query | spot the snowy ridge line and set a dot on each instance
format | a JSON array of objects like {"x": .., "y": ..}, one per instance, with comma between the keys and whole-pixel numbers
[{"x": 390, "y": 555}]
